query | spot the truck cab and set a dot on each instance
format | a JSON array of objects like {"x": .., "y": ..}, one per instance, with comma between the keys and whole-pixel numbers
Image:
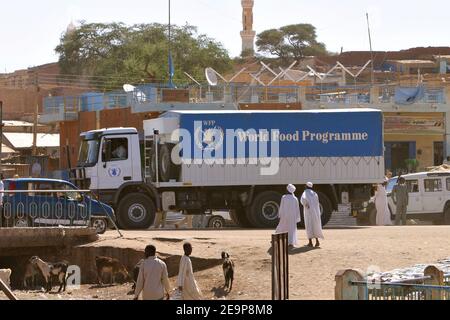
[{"x": 110, "y": 165}]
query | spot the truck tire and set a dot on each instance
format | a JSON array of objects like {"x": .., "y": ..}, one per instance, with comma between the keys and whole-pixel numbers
[
  {"x": 327, "y": 208},
  {"x": 263, "y": 213},
  {"x": 239, "y": 217},
  {"x": 136, "y": 211},
  {"x": 373, "y": 216},
  {"x": 167, "y": 169}
]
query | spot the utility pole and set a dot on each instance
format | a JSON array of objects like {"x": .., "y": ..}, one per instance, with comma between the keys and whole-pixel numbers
[
  {"x": 371, "y": 50},
  {"x": 1, "y": 134},
  {"x": 35, "y": 122},
  {"x": 171, "y": 66}
]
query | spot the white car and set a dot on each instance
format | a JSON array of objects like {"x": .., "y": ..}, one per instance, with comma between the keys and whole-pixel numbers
[
  {"x": 218, "y": 220},
  {"x": 429, "y": 196}
]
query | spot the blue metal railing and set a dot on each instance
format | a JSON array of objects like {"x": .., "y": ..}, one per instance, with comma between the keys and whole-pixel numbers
[{"x": 236, "y": 93}]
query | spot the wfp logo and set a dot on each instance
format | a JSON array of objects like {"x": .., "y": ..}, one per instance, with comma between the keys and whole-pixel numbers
[
  {"x": 215, "y": 146},
  {"x": 114, "y": 172},
  {"x": 209, "y": 139}
]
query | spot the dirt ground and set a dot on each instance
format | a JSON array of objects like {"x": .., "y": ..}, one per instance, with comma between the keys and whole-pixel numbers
[{"x": 312, "y": 272}]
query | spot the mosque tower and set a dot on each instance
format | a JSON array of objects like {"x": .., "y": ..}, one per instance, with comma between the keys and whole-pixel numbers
[{"x": 247, "y": 34}]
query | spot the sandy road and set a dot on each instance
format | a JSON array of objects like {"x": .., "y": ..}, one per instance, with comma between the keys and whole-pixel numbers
[{"x": 311, "y": 271}]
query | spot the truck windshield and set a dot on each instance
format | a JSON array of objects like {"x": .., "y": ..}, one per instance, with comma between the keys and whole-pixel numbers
[{"x": 88, "y": 153}]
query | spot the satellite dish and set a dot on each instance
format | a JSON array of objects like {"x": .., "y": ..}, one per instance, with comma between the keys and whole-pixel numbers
[
  {"x": 128, "y": 88},
  {"x": 211, "y": 77}
]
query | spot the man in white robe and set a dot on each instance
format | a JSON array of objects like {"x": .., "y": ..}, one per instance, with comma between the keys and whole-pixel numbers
[
  {"x": 186, "y": 281},
  {"x": 381, "y": 204},
  {"x": 289, "y": 215},
  {"x": 313, "y": 216}
]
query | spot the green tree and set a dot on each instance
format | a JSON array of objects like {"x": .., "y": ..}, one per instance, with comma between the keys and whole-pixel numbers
[
  {"x": 116, "y": 53},
  {"x": 290, "y": 42}
]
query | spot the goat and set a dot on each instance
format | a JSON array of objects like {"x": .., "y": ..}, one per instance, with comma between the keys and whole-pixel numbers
[
  {"x": 29, "y": 278},
  {"x": 5, "y": 276},
  {"x": 228, "y": 271},
  {"x": 52, "y": 269},
  {"x": 110, "y": 266}
]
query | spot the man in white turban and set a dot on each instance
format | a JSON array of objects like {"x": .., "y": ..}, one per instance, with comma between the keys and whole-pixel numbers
[
  {"x": 313, "y": 216},
  {"x": 289, "y": 215}
]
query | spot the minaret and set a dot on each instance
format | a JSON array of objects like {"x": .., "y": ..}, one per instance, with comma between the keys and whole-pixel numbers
[{"x": 248, "y": 35}]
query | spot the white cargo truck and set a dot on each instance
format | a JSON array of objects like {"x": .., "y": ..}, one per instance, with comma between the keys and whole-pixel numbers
[{"x": 197, "y": 162}]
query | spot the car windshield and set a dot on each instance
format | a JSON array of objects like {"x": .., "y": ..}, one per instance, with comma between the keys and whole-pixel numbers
[
  {"x": 88, "y": 153},
  {"x": 391, "y": 185}
]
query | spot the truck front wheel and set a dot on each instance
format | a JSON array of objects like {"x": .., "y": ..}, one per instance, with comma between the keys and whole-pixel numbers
[
  {"x": 136, "y": 211},
  {"x": 264, "y": 211}
]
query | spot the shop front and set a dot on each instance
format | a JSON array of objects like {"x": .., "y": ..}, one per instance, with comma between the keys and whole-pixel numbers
[{"x": 413, "y": 141}]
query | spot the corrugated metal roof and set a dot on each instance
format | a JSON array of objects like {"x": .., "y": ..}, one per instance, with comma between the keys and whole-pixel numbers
[{"x": 25, "y": 140}]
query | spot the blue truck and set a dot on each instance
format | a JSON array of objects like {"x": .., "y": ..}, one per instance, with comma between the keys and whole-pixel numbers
[{"x": 200, "y": 161}]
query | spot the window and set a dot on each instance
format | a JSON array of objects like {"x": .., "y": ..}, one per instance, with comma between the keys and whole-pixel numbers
[
  {"x": 119, "y": 149},
  {"x": 433, "y": 185},
  {"x": 71, "y": 194},
  {"x": 42, "y": 186},
  {"x": 413, "y": 186},
  {"x": 448, "y": 184}
]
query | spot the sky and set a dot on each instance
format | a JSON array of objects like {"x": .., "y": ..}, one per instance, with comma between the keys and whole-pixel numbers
[{"x": 30, "y": 30}]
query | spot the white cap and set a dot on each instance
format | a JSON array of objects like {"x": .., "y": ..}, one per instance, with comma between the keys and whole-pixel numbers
[
  {"x": 291, "y": 188},
  {"x": 310, "y": 185}
]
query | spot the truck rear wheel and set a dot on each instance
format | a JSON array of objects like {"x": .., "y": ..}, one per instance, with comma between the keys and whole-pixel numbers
[
  {"x": 167, "y": 169},
  {"x": 264, "y": 211},
  {"x": 326, "y": 207},
  {"x": 136, "y": 211}
]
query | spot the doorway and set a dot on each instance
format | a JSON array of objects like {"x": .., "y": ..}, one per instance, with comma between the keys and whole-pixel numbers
[
  {"x": 396, "y": 155},
  {"x": 438, "y": 150}
]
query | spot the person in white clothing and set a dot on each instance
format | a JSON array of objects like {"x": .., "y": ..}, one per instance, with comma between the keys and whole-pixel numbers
[
  {"x": 2, "y": 188},
  {"x": 186, "y": 281},
  {"x": 313, "y": 216},
  {"x": 153, "y": 280},
  {"x": 381, "y": 204},
  {"x": 289, "y": 215}
]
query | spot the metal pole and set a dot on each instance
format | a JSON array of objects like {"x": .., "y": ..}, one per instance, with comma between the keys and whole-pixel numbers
[
  {"x": 7, "y": 291},
  {"x": 1, "y": 133},
  {"x": 371, "y": 49},
  {"x": 35, "y": 124}
]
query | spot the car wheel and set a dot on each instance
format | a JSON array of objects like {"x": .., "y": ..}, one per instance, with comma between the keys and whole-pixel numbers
[
  {"x": 216, "y": 223},
  {"x": 100, "y": 225},
  {"x": 22, "y": 223},
  {"x": 447, "y": 216},
  {"x": 136, "y": 211}
]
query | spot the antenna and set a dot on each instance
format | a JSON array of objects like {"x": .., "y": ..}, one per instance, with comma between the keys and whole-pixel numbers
[
  {"x": 211, "y": 77},
  {"x": 371, "y": 50},
  {"x": 138, "y": 94},
  {"x": 128, "y": 88}
]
